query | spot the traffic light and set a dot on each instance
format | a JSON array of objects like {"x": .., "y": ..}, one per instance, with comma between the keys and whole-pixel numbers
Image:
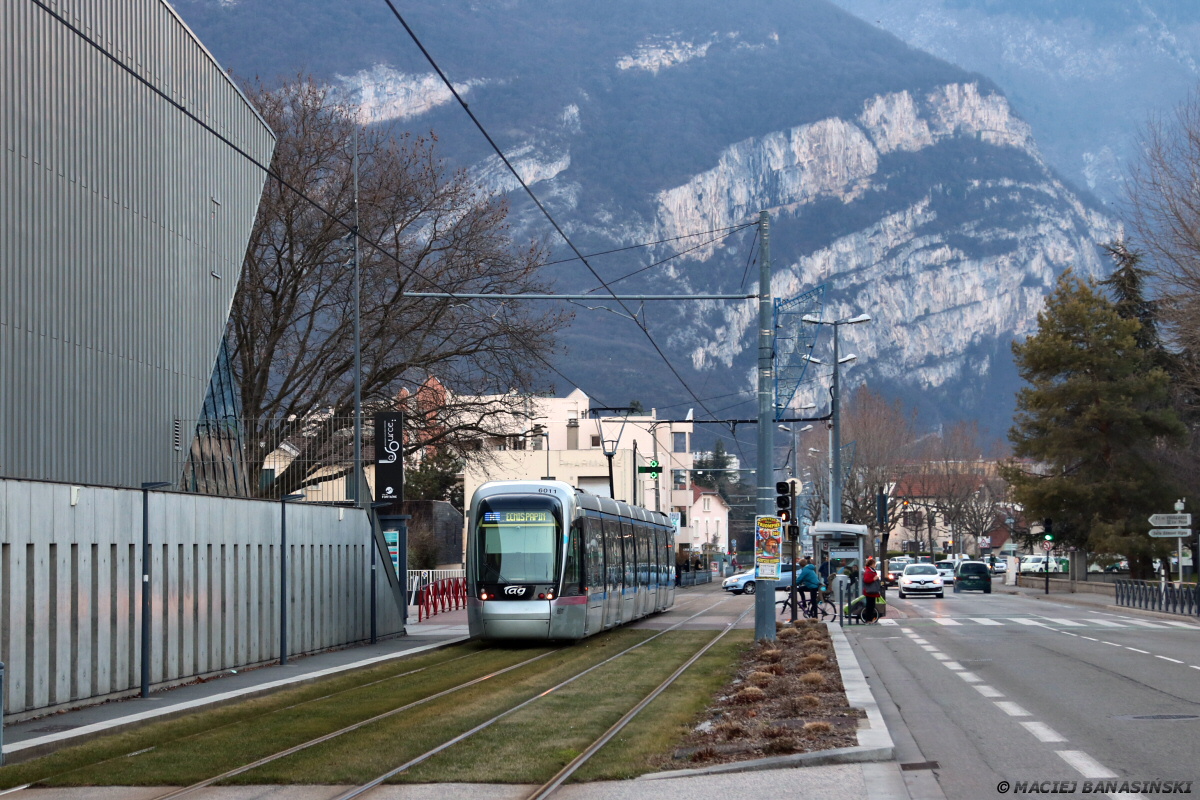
[
  {"x": 1048, "y": 527},
  {"x": 783, "y": 499}
]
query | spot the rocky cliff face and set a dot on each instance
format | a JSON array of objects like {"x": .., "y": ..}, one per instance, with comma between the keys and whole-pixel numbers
[{"x": 906, "y": 186}]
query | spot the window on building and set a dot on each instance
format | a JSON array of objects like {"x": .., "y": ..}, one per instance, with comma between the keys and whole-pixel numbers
[
  {"x": 678, "y": 442},
  {"x": 682, "y": 510},
  {"x": 595, "y": 441},
  {"x": 679, "y": 478},
  {"x": 707, "y": 503}
]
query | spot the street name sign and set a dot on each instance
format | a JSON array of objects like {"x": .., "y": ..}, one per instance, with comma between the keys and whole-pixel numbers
[
  {"x": 1171, "y": 520},
  {"x": 1171, "y": 533}
]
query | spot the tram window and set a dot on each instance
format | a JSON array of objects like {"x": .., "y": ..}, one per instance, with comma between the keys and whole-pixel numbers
[
  {"x": 643, "y": 555},
  {"x": 518, "y": 540},
  {"x": 612, "y": 553},
  {"x": 595, "y": 553},
  {"x": 630, "y": 553}
]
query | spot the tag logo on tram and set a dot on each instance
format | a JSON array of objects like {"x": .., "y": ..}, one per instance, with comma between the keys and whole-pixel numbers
[{"x": 514, "y": 590}]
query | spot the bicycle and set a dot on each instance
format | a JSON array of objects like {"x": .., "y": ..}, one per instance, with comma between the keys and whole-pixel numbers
[{"x": 822, "y": 608}]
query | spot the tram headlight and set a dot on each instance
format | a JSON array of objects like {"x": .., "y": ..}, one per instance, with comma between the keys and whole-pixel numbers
[{"x": 483, "y": 595}]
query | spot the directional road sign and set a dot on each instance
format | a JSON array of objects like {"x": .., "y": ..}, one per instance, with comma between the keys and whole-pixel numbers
[
  {"x": 1171, "y": 533},
  {"x": 1171, "y": 520}
]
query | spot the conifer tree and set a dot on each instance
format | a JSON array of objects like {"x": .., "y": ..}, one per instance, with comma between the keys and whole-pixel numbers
[{"x": 1095, "y": 412}]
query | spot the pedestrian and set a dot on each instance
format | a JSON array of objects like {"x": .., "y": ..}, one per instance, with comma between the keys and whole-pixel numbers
[{"x": 871, "y": 591}]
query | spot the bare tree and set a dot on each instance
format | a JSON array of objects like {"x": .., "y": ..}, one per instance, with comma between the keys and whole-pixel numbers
[{"x": 422, "y": 228}]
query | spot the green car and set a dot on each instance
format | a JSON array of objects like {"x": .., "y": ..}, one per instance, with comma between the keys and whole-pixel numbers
[{"x": 972, "y": 575}]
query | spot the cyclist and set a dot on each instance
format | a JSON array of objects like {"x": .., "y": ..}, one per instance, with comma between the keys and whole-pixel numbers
[{"x": 808, "y": 581}]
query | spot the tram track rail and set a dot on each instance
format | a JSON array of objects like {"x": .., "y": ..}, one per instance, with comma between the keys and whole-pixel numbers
[{"x": 366, "y": 787}]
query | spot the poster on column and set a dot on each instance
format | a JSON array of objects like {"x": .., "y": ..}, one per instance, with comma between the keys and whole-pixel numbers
[{"x": 766, "y": 547}]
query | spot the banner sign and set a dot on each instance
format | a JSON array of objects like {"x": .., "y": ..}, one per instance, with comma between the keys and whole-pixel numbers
[
  {"x": 766, "y": 547},
  {"x": 389, "y": 457}
]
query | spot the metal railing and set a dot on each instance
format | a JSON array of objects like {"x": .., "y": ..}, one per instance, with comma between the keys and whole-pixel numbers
[
  {"x": 267, "y": 458},
  {"x": 694, "y": 577},
  {"x": 1158, "y": 596},
  {"x": 418, "y": 579}
]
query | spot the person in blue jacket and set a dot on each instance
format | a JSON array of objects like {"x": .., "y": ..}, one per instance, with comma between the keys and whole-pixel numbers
[{"x": 808, "y": 581}]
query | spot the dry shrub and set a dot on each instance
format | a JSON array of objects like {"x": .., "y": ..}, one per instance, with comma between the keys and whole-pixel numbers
[
  {"x": 789, "y": 633},
  {"x": 815, "y": 646},
  {"x": 776, "y": 731},
  {"x": 775, "y": 669},
  {"x": 760, "y": 678},
  {"x": 704, "y": 754},
  {"x": 797, "y": 705},
  {"x": 781, "y": 746},
  {"x": 812, "y": 678},
  {"x": 730, "y": 730},
  {"x": 813, "y": 660},
  {"x": 815, "y": 635},
  {"x": 771, "y": 656},
  {"x": 813, "y": 728},
  {"x": 751, "y": 694}
]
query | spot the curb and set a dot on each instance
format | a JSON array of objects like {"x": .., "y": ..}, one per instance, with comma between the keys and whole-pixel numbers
[{"x": 874, "y": 741}]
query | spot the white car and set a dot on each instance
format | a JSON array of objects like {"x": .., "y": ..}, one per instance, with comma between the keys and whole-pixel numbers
[
  {"x": 921, "y": 579},
  {"x": 946, "y": 570},
  {"x": 1038, "y": 564},
  {"x": 1000, "y": 566}
]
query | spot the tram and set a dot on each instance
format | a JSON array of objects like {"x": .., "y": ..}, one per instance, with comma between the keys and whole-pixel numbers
[{"x": 548, "y": 561}]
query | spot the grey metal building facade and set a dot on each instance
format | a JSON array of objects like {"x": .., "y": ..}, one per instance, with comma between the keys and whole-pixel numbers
[{"x": 123, "y": 225}]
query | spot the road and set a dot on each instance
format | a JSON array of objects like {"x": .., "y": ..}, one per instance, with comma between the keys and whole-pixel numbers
[{"x": 1004, "y": 688}]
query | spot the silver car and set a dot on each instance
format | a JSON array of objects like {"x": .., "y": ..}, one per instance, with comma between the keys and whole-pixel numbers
[{"x": 921, "y": 579}]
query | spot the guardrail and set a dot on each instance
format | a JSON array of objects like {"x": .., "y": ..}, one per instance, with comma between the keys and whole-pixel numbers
[
  {"x": 418, "y": 579},
  {"x": 1158, "y": 596},
  {"x": 448, "y": 594}
]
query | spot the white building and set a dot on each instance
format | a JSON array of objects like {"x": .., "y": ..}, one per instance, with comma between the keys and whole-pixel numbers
[
  {"x": 558, "y": 437},
  {"x": 708, "y": 522}
]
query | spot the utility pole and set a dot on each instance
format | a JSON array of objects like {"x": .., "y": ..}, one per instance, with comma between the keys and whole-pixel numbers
[
  {"x": 764, "y": 597},
  {"x": 358, "y": 465}
]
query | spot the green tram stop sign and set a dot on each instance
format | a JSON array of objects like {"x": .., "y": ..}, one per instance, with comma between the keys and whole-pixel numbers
[{"x": 653, "y": 469}]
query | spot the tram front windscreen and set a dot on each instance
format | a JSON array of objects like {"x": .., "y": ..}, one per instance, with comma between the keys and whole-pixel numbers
[{"x": 518, "y": 540}]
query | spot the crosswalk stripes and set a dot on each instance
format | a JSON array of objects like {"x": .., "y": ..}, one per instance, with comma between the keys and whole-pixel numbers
[{"x": 1044, "y": 622}]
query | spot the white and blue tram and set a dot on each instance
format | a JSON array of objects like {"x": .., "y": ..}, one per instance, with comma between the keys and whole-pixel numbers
[{"x": 548, "y": 561}]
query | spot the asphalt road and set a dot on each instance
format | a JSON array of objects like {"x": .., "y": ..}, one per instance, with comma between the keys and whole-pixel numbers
[{"x": 1002, "y": 688}]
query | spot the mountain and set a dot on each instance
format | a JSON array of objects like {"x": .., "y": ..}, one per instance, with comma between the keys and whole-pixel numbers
[
  {"x": 907, "y": 186},
  {"x": 1086, "y": 74}
]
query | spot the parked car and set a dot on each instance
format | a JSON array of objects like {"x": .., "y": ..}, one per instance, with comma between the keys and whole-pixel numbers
[
  {"x": 921, "y": 579},
  {"x": 972, "y": 576},
  {"x": 1038, "y": 564},
  {"x": 946, "y": 570}
]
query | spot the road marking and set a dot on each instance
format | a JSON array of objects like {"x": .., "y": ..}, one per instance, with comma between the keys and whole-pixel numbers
[
  {"x": 985, "y": 621},
  {"x": 969, "y": 677},
  {"x": 1068, "y": 633},
  {"x": 1178, "y": 624},
  {"x": 988, "y": 691},
  {"x": 1023, "y": 621},
  {"x": 1114, "y": 644},
  {"x": 946, "y": 621},
  {"x": 941, "y": 656},
  {"x": 1011, "y": 708},
  {"x": 929, "y": 648},
  {"x": 1193, "y": 666},
  {"x": 1145, "y": 624},
  {"x": 1089, "y": 638},
  {"x": 1172, "y": 660},
  {"x": 887, "y": 622},
  {"x": 1109, "y": 623},
  {"x": 919, "y": 640},
  {"x": 954, "y": 665},
  {"x": 1134, "y": 649},
  {"x": 1088, "y": 767},
  {"x": 1070, "y": 623},
  {"x": 1043, "y": 732}
]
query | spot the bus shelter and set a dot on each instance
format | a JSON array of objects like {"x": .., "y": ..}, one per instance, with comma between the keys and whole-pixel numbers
[{"x": 841, "y": 545}]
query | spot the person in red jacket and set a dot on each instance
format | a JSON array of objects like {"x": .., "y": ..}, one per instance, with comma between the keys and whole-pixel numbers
[{"x": 871, "y": 590}]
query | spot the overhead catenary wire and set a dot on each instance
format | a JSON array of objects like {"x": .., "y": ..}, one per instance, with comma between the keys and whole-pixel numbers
[
  {"x": 727, "y": 231},
  {"x": 536, "y": 201}
]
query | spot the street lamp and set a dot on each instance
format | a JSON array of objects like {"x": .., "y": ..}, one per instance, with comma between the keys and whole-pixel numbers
[
  {"x": 835, "y": 444},
  {"x": 795, "y": 432}
]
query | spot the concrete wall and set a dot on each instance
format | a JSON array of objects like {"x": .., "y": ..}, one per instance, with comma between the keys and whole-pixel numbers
[{"x": 70, "y": 577}]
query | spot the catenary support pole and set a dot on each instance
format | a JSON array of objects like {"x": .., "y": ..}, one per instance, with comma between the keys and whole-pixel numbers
[{"x": 764, "y": 597}]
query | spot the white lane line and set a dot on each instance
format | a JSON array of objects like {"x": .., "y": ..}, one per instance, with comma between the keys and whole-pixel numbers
[
  {"x": 1145, "y": 624},
  {"x": 1193, "y": 666},
  {"x": 969, "y": 677},
  {"x": 954, "y": 665},
  {"x": 1172, "y": 660},
  {"x": 1177, "y": 624},
  {"x": 1134, "y": 649},
  {"x": 1089, "y": 638},
  {"x": 920, "y": 641},
  {"x": 1011, "y": 708},
  {"x": 988, "y": 691},
  {"x": 1068, "y": 633},
  {"x": 928, "y": 648},
  {"x": 1023, "y": 621},
  {"x": 887, "y": 622},
  {"x": 1087, "y": 766},
  {"x": 1069, "y": 623},
  {"x": 941, "y": 656},
  {"x": 1108, "y": 623},
  {"x": 985, "y": 621},
  {"x": 946, "y": 621},
  {"x": 1042, "y": 731},
  {"x": 1114, "y": 644}
]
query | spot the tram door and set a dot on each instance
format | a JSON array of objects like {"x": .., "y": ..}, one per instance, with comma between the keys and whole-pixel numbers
[
  {"x": 629, "y": 591},
  {"x": 650, "y": 566},
  {"x": 614, "y": 572},
  {"x": 593, "y": 543}
]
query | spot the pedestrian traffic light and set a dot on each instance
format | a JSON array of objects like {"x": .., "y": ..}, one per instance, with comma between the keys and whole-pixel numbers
[
  {"x": 1048, "y": 526},
  {"x": 785, "y": 516}
]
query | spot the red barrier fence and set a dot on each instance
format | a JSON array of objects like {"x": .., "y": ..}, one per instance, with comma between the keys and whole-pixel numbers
[{"x": 448, "y": 594}]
